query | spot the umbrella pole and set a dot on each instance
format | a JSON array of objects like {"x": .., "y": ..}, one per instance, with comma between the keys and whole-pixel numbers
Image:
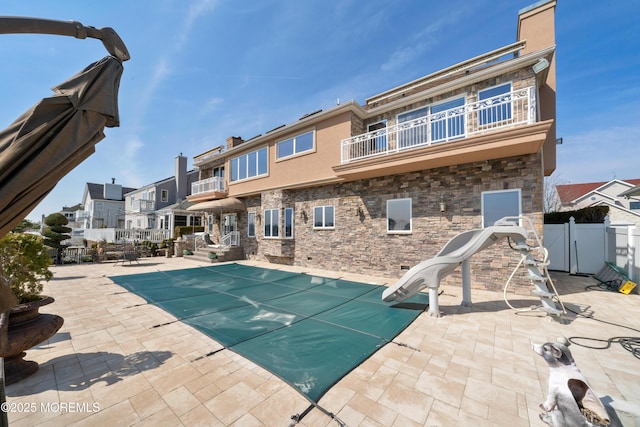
[
  {"x": 110, "y": 39},
  {"x": 4, "y": 420}
]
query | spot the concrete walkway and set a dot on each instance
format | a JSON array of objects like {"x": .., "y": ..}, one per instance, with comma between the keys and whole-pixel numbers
[{"x": 112, "y": 365}]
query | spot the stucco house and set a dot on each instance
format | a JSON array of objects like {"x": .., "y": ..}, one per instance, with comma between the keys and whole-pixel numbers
[
  {"x": 162, "y": 204},
  {"x": 624, "y": 206},
  {"x": 102, "y": 206},
  {"x": 379, "y": 187}
]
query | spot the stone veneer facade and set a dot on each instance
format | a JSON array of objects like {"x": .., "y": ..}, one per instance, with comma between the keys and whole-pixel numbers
[{"x": 360, "y": 242}]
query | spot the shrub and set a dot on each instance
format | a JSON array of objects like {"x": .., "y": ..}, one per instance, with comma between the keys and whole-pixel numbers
[{"x": 24, "y": 264}]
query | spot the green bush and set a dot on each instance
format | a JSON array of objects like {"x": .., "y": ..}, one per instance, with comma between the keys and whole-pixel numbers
[
  {"x": 181, "y": 230},
  {"x": 591, "y": 215},
  {"x": 24, "y": 264}
]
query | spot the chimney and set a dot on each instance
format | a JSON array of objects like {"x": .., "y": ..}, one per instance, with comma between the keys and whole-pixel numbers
[
  {"x": 182, "y": 189},
  {"x": 234, "y": 141}
]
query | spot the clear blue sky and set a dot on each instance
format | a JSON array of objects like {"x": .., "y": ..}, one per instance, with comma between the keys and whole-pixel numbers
[{"x": 204, "y": 70}]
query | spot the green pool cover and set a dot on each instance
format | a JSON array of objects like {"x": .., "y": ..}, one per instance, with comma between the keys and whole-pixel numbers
[{"x": 308, "y": 330}]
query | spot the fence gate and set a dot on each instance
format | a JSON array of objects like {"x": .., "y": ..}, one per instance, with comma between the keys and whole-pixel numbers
[{"x": 575, "y": 248}]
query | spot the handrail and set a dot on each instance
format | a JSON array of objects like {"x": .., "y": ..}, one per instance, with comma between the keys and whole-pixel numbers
[{"x": 502, "y": 111}]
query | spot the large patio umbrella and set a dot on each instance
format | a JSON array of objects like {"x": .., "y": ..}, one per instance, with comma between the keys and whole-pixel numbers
[
  {"x": 59, "y": 132},
  {"x": 55, "y": 135}
]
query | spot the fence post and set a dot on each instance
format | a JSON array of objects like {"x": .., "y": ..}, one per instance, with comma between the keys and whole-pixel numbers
[
  {"x": 607, "y": 224},
  {"x": 573, "y": 255},
  {"x": 631, "y": 253}
]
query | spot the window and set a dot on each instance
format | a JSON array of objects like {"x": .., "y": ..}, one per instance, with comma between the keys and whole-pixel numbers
[
  {"x": 288, "y": 223},
  {"x": 297, "y": 144},
  {"x": 399, "y": 216},
  {"x": 496, "y": 106},
  {"x": 634, "y": 205},
  {"x": 447, "y": 120},
  {"x": 378, "y": 141},
  {"x": 323, "y": 217},
  {"x": 251, "y": 224},
  {"x": 210, "y": 224},
  {"x": 164, "y": 195},
  {"x": 180, "y": 220},
  {"x": 249, "y": 165},
  {"x": 414, "y": 132},
  {"x": 498, "y": 204},
  {"x": 271, "y": 222}
]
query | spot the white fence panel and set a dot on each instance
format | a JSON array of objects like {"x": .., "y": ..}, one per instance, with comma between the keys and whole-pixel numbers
[
  {"x": 587, "y": 247},
  {"x": 623, "y": 243},
  {"x": 556, "y": 240}
]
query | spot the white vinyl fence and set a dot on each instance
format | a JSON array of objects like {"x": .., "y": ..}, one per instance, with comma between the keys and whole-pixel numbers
[
  {"x": 583, "y": 248},
  {"x": 117, "y": 235}
]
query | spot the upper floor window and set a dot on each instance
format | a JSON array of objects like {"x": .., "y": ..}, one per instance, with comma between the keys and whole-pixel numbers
[
  {"x": 164, "y": 195},
  {"x": 447, "y": 120},
  {"x": 495, "y": 105},
  {"x": 249, "y": 165},
  {"x": 297, "y": 144},
  {"x": 498, "y": 204},
  {"x": 433, "y": 123},
  {"x": 323, "y": 217},
  {"x": 218, "y": 172},
  {"x": 271, "y": 222},
  {"x": 399, "y": 216}
]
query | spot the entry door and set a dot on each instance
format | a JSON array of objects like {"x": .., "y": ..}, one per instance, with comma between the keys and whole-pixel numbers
[{"x": 229, "y": 224}]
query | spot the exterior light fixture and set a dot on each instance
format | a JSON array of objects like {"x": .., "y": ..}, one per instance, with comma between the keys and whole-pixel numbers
[
  {"x": 443, "y": 205},
  {"x": 540, "y": 66}
]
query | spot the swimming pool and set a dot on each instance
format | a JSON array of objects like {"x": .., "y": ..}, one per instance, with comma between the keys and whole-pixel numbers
[{"x": 308, "y": 330}]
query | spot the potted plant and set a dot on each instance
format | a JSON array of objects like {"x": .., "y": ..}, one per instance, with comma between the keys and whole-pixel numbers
[{"x": 24, "y": 264}]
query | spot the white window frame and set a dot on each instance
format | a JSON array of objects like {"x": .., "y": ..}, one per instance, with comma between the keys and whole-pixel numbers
[
  {"x": 324, "y": 226},
  {"x": 403, "y": 231},
  {"x": 236, "y": 162},
  {"x": 483, "y": 119},
  {"x": 164, "y": 195},
  {"x": 290, "y": 212},
  {"x": 517, "y": 191},
  {"x": 251, "y": 220},
  {"x": 270, "y": 213},
  {"x": 294, "y": 140}
]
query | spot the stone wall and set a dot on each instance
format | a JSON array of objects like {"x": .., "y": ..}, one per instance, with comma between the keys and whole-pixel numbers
[{"x": 360, "y": 243}]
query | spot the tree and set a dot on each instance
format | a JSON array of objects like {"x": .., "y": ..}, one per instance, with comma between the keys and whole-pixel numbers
[
  {"x": 55, "y": 232},
  {"x": 24, "y": 263},
  {"x": 551, "y": 201},
  {"x": 25, "y": 225}
]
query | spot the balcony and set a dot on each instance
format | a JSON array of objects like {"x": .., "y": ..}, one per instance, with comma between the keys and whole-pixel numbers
[
  {"x": 501, "y": 112},
  {"x": 80, "y": 215},
  {"x": 210, "y": 185},
  {"x": 141, "y": 206}
]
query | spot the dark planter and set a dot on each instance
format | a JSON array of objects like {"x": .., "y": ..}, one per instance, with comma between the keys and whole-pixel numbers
[{"x": 27, "y": 328}]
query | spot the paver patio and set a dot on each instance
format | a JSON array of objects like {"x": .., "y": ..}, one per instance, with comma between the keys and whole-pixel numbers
[{"x": 111, "y": 364}]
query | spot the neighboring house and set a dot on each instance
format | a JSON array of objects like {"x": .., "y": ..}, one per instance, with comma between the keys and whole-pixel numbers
[
  {"x": 382, "y": 186},
  {"x": 70, "y": 213},
  {"x": 102, "y": 206},
  {"x": 161, "y": 205},
  {"x": 624, "y": 207}
]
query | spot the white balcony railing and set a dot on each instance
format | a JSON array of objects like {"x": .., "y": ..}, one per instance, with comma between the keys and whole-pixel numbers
[
  {"x": 506, "y": 110},
  {"x": 214, "y": 184},
  {"x": 142, "y": 205}
]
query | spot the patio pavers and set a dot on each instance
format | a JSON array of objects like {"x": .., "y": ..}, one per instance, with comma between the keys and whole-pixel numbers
[{"x": 113, "y": 364}]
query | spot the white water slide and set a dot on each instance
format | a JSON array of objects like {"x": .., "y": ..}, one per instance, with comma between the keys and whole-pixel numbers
[{"x": 457, "y": 252}]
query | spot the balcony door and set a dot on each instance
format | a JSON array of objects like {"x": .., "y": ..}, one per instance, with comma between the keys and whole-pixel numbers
[{"x": 378, "y": 140}]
